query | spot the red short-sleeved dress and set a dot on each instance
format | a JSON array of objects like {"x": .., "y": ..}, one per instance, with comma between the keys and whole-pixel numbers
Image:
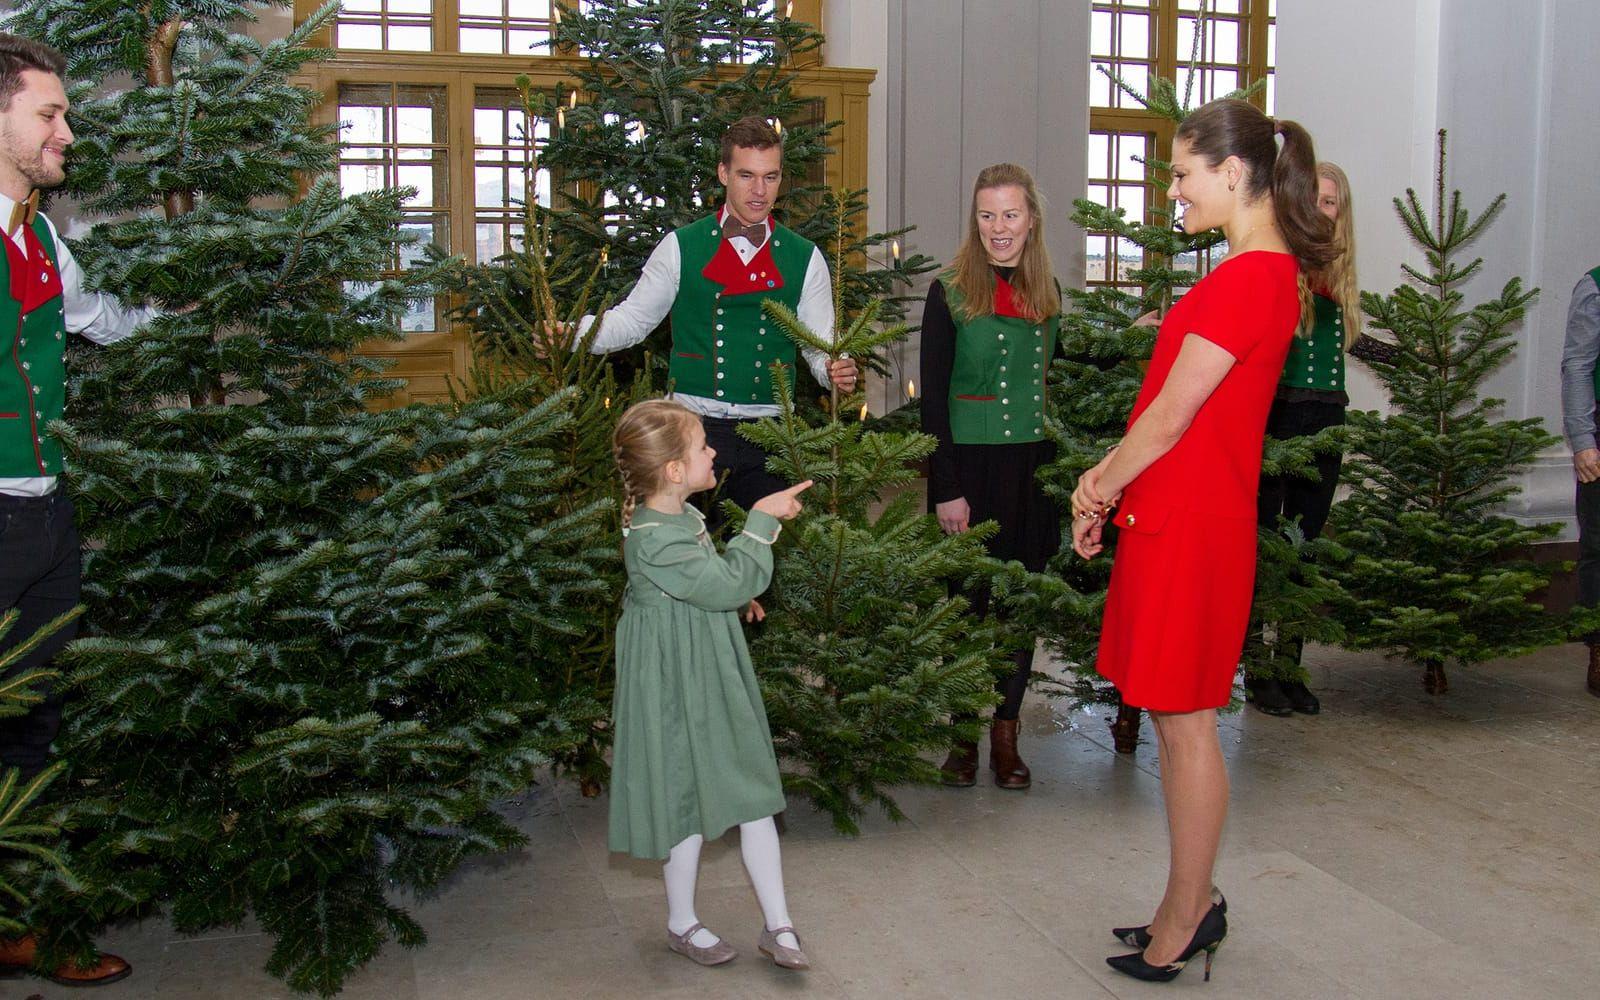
[{"x": 1185, "y": 566}]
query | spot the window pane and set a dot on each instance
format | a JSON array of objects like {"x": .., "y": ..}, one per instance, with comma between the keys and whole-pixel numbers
[
  {"x": 1099, "y": 154},
  {"x": 1100, "y": 34},
  {"x": 396, "y": 25},
  {"x": 1133, "y": 31},
  {"x": 395, "y": 126},
  {"x": 480, "y": 40},
  {"x": 359, "y": 36}
]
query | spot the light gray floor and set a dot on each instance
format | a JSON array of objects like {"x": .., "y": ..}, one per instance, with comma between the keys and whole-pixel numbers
[{"x": 1399, "y": 845}]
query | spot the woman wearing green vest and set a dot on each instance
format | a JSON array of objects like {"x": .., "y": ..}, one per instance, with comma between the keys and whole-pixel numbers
[
  {"x": 1311, "y": 396},
  {"x": 988, "y": 334}
]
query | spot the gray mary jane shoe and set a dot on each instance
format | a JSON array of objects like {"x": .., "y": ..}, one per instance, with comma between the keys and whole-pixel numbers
[
  {"x": 718, "y": 954},
  {"x": 788, "y": 958}
]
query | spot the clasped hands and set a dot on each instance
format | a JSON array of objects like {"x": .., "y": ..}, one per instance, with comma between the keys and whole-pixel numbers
[{"x": 1090, "y": 509}]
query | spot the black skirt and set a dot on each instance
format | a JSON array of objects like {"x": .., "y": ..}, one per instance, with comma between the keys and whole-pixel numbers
[{"x": 999, "y": 485}]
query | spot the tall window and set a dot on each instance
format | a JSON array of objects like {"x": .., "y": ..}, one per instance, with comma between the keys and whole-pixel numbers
[{"x": 1228, "y": 43}]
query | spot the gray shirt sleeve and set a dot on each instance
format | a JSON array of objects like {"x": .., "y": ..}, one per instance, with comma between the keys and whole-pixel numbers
[{"x": 1578, "y": 356}]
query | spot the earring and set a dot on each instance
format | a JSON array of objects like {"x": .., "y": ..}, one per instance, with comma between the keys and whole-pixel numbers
[{"x": 1231, "y": 186}]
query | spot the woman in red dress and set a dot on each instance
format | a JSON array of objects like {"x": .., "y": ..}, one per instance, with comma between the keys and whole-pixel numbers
[{"x": 1182, "y": 488}]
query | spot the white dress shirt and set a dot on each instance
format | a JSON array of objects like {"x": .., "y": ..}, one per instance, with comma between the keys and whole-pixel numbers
[
  {"x": 632, "y": 319},
  {"x": 95, "y": 315}
]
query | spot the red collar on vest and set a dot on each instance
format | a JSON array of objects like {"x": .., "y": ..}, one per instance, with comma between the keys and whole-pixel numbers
[
  {"x": 738, "y": 278},
  {"x": 1005, "y": 303},
  {"x": 34, "y": 280}
]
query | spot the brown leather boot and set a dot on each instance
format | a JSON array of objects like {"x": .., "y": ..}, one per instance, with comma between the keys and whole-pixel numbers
[
  {"x": 1434, "y": 680},
  {"x": 1009, "y": 770},
  {"x": 960, "y": 769},
  {"x": 17, "y": 956},
  {"x": 1125, "y": 728},
  {"x": 1594, "y": 670}
]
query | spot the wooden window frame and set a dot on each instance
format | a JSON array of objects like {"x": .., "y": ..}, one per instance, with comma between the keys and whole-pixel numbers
[{"x": 1255, "y": 15}]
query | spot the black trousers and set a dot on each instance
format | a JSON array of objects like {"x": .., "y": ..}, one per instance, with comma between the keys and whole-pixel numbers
[
  {"x": 1294, "y": 496},
  {"x": 741, "y": 467},
  {"x": 1589, "y": 546},
  {"x": 40, "y": 574}
]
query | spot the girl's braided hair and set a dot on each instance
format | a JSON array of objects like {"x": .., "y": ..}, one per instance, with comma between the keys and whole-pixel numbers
[{"x": 649, "y": 435}]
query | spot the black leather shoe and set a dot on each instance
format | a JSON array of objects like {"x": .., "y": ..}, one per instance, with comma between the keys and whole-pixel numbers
[
  {"x": 1207, "y": 938},
  {"x": 1267, "y": 695},
  {"x": 1139, "y": 937}
]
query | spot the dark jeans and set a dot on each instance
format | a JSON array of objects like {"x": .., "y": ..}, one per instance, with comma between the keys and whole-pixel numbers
[
  {"x": 741, "y": 467},
  {"x": 1294, "y": 496},
  {"x": 39, "y": 576}
]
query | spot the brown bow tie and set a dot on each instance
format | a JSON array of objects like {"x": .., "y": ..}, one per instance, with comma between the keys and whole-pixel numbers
[
  {"x": 756, "y": 234},
  {"x": 22, "y": 213}
]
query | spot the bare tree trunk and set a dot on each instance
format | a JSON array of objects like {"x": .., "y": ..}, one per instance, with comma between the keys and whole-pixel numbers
[{"x": 158, "y": 73}]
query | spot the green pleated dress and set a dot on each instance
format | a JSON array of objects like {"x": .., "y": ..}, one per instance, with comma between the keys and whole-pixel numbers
[{"x": 692, "y": 752}]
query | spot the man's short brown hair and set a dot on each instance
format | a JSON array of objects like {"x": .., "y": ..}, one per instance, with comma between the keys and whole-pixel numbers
[
  {"x": 748, "y": 133},
  {"x": 18, "y": 54}
]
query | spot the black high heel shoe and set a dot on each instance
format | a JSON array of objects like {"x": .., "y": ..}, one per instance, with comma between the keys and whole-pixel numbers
[
  {"x": 1139, "y": 937},
  {"x": 1207, "y": 938}
]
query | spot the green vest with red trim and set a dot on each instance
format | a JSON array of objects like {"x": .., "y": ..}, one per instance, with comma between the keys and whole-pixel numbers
[
  {"x": 33, "y": 374},
  {"x": 1594, "y": 276},
  {"x": 997, "y": 383},
  {"x": 722, "y": 343}
]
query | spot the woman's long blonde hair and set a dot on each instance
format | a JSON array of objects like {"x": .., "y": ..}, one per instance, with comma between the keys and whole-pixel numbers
[
  {"x": 1339, "y": 277},
  {"x": 649, "y": 435},
  {"x": 1034, "y": 281}
]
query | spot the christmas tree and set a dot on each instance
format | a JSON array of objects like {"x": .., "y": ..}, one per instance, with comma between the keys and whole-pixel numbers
[
  {"x": 1433, "y": 573},
  {"x": 867, "y": 662},
  {"x": 25, "y": 835},
  {"x": 315, "y": 632}
]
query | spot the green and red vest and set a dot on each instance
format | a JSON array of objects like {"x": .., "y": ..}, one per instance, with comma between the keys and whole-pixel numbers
[
  {"x": 998, "y": 378},
  {"x": 722, "y": 343},
  {"x": 1594, "y": 276},
  {"x": 1317, "y": 361},
  {"x": 33, "y": 374}
]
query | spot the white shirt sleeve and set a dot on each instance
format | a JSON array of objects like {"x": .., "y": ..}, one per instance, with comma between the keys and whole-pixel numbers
[
  {"x": 632, "y": 319},
  {"x": 816, "y": 312},
  {"x": 96, "y": 315}
]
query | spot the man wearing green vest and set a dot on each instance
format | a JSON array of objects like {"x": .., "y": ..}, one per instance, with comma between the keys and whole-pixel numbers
[
  {"x": 42, "y": 299},
  {"x": 711, "y": 276},
  {"x": 1580, "y": 388}
]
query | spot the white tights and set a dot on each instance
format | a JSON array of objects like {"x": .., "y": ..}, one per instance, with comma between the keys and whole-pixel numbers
[{"x": 758, "y": 843}]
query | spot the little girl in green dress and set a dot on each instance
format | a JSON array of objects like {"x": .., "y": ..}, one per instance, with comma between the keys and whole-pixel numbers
[{"x": 693, "y": 753}]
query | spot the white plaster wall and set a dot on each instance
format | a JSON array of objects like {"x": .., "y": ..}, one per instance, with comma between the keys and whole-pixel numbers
[
  {"x": 1513, "y": 84},
  {"x": 975, "y": 82},
  {"x": 1363, "y": 78}
]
